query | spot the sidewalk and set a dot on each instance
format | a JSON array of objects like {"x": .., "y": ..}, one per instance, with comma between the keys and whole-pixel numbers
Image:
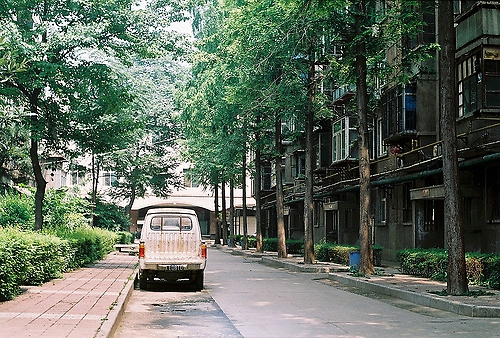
[
  {"x": 389, "y": 281},
  {"x": 84, "y": 303}
]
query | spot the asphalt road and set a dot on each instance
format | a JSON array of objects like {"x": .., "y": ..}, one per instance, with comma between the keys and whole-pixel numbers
[{"x": 245, "y": 298}]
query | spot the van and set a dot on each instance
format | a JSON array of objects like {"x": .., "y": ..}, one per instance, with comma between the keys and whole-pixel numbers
[{"x": 171, "y": 248}]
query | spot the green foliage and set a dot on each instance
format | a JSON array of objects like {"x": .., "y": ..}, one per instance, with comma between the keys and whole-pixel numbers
[
  {"x": 294, "y": 246},
  {"x": 110, "y": 217},
  {"x": 125, "y": 237},
  {"x": 90, "y": 244},
  {"x": 64, "y": 209},
  {"x": 338, "y": 253},
  {"x": 482, "y": 269},
  {"x": 16, "y": 210},
  {"x": 28, "y": 258}
]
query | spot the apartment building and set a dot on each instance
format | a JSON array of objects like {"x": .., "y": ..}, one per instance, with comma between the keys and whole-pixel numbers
[{"x": 406, "y": 161}]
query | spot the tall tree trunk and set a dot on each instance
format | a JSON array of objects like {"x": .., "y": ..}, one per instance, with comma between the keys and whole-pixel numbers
[
  {"x": 457, "y": 276},
  {"x": 40, "y": 184},
  {"x": 217, "y": 220},
  {"x": 131, "y": 201},
  {"x": 257, "y": 187},
  {"x": 95, "y": 182},
  {"x": 35, "y": 163},
  {"x": 280, "y": 218},
  {"x": 308, "y": 194},
  {"x": 224, "y": 215},
  {"x": 231, "y": 213},
  {"x": 244, "y": 193},
  {"x": 366, "y": 260}
]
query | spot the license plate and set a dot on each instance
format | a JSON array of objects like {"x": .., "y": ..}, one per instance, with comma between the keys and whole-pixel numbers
[{"x": 173, "y": 267}]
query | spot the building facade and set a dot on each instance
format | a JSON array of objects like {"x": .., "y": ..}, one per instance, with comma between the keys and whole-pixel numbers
[{"x": 406, "y": 162}]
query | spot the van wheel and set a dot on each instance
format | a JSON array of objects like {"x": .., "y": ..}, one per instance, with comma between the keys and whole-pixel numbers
[
  {"x": 198, "y": 281},
  {"x": 143, "y": 282}
]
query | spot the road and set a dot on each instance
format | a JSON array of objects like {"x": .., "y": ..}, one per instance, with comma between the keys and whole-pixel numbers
[{"x": 243, "y": 298}]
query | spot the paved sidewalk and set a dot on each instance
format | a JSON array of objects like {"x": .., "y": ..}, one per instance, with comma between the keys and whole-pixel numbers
[
  {"x": 390, "y": 281},
  {"x": 84, "y": 303}
]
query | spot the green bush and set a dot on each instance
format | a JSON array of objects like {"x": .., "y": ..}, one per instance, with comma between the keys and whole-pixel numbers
[
  {"x": 482, "y": 269},
  {"x": 294, "y": 246},
  {"x": 89, "y": 244},
  {"x": 110, "y": 217},
  {"x": 28, "y": 258},
  {"x": 17, "y": 210},
  {"x": 64, "y": 209},
  {"x": 125, "y": 237},
  {"x": 335, "y": 253}
]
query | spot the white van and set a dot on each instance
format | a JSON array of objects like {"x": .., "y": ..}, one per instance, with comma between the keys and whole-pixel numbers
[{"x": 171, "y": 248}]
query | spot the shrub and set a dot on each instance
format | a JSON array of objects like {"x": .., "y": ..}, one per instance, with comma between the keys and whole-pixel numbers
[
  {"x": 110, "y": 217},
  {"x": 293, "y": 245},
  {"x": 482, "y": 269},
  {"x": 29, "y": 258},
  {"x": 89, "y": 244},
  {"x": 17, "y": 210},
  {"x": 125, "y": 237}
]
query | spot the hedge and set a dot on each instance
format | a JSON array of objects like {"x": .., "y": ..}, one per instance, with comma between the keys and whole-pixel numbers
[
  {"x": 482, "y": 269},
  {"x": 32, "y": 258},
  {"x": 335, "y": 253}
]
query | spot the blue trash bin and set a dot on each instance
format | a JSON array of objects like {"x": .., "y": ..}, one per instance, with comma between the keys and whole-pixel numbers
[{"x": 354, "y": 257}]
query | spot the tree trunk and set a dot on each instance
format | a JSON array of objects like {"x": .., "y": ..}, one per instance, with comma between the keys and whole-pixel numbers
[
  {"x": 40, "y": 184},
  {"x": 35, "y": 163},
  {"x": 365, "y": 227},
  {"x": 224, "y": 215},
  {"x": 280, "y": 218},
  {"x": 232, "y": 244},
  {"x": 308, "y": 194},
  {"x": 131, "y": 201},
  {"x": 217, "y": 220},
  {"x": 257, "y": 188},
  {"x": 457, "y": 276},
  {"x": 244, "y": 193}
]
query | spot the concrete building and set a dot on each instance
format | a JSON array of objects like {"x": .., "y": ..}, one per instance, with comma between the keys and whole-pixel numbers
[{"x": 406, "y": 161}]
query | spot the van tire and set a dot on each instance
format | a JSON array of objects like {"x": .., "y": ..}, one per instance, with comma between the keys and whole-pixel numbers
[
  {"x": 198, "y": 281},
  {"x": 143, "y": 282}
]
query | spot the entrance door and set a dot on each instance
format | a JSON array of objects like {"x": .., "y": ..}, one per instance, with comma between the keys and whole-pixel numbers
[{"x": 430, "y": 224}]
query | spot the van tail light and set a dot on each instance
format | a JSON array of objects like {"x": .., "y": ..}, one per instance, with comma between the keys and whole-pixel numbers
[
  {"x": 204, "y": 250},
  {"x": 141, "y": 250}
]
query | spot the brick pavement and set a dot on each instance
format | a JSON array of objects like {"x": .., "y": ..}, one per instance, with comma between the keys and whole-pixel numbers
[{"x": 84, "y": 303}]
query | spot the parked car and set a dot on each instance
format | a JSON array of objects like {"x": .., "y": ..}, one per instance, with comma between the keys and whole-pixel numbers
[{"x": 171, "y": 248}]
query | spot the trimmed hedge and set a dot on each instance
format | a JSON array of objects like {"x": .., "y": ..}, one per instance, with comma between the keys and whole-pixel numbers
[
  {"x": 32, "y": 258},
  {"x": 482, "y": 269},
  {"x": 335, "y": 253}
]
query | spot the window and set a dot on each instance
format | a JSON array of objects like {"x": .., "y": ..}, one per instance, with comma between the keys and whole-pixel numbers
[
  {"x": 427, "y": 35},
  {"x": 381, "y": 148},
  {"x": 189, "y": 182},
  {"x": 400, "y": 110},
  {"x": 344, "y": 136},
  {"x": 479, "y": 81},
  {"x": 492, "y": 77},
  {"x": 323, "y": 151},
  {"x": 109, "y": 178},
  {"x": 171, "y": 223},
  {"x": 469, "y": 90}
]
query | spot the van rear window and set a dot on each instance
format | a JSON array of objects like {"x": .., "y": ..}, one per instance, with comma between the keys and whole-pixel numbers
[{"x": 171, "y": 223}]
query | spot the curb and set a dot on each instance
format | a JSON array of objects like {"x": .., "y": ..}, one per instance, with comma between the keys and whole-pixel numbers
[
  {"x": 421, "y": 299},
  {"x": 112, "y": 320},
  {"x": 298, "y": 267}
]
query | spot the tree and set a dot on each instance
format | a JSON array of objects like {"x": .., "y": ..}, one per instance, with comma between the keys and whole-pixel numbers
[
  {"x": 69, "y": 41},
  {"x": 366, "y": 259},
  {"x": 457, "y": 274},
  {"x": 149, "y": 161}
]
